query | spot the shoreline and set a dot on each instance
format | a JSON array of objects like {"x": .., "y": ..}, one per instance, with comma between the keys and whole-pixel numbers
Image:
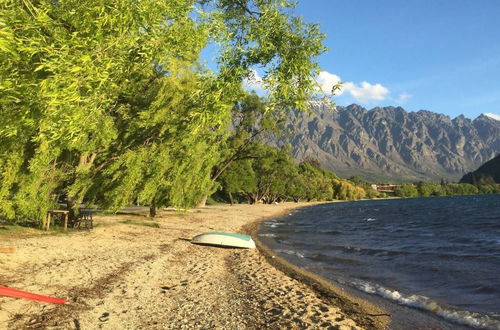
[
  {"x": 374, "y": 310},
  {"x": 363, "y": 312},
  {"x": 130, "y": 272}
]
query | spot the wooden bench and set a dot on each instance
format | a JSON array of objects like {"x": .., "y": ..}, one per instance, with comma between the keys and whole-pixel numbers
[
  {"x": 55, "y": 213},
  {"x": 84, "y": 219}
]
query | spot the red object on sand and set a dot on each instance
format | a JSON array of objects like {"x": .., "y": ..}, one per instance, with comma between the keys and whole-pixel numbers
[{"x": 14, "y": 293}]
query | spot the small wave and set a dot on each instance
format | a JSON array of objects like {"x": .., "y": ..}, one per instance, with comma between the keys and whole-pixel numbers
[
  {"x": 371, "y": 219},
  {"x": 291, "y": 252},
  {"x": 476, "y": 320},
  {"x": 364, "y": 251},
  {"x": 273, "y": 224},
  {"x": 330, "y": 232},
  {"x": 267, "y": 235},
  {"x": 484, "y": 289},
  {"x": 334, "y": 259}
]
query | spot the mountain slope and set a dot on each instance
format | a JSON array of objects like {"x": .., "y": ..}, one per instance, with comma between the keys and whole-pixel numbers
[
  {"x": 391, "y": 144},
  {"x": 489, "y": 171}
]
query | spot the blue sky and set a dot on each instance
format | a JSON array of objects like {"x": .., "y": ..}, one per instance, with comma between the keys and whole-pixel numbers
[{"x": 438, "y": 55}]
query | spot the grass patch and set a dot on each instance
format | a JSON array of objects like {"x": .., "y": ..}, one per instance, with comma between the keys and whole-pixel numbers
[
  {"x": 21, "y": 231},
  {"x": 12, "y": 229},
  {"x": 18, "y": 231},
  {"x": 57, "y": 229},
  {"x": 145, "y": 223}
]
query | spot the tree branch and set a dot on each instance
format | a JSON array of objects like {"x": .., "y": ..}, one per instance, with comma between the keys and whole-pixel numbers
[
  {"x": 236, "y": 154},
  {"x": 105, "y": 163}
]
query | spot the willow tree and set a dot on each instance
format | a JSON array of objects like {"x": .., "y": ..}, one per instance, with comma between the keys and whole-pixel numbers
[{"x": 110, "y": 101}]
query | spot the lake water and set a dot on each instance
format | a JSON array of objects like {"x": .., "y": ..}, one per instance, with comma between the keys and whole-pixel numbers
[{"x": 440, "y": 255}]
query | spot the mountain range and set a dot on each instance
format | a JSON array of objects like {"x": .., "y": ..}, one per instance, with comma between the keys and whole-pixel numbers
[{"x": 391, "y": 144}]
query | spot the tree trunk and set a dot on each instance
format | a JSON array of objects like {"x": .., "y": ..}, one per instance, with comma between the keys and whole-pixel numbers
[
  {"x": 230, "y": 198},
  {"x": 251, "y": 198},
  {"x": 152, "y": 209},
  {"x": 203, "y": 201},
  {"x": 70, "y": 206},
  {"x": 73, "y": 201}
]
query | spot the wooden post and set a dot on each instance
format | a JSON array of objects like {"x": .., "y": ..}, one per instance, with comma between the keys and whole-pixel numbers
[
  {"x": 48, "y": 221},
  {"x": 65, "y": 221},
  {"x": 152, "y": 209}
]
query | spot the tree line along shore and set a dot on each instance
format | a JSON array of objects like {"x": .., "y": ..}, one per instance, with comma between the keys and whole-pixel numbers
[{"x": 112, "y": 105}]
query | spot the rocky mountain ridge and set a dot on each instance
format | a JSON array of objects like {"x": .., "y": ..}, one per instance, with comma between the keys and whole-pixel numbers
[{"x": 391, "y": 144}]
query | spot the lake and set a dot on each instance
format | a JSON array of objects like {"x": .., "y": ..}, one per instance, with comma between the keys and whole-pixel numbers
[{"x": 440, "y": 255}]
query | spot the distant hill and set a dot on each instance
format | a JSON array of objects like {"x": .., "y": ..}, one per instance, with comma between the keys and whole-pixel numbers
[
  {"x": 391, "y": 144},
  {"x": 489, "y": 172}
]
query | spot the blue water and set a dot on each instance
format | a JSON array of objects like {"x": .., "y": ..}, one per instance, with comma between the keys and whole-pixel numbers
[{"x": 437, "y": 254}]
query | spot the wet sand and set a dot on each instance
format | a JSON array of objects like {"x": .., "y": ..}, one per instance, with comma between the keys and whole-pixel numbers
[{"x": 131, "y": 273}]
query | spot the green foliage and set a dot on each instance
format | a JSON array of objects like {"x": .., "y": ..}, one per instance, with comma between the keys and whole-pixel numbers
[
  {"x": 426, "y": 189},
  {"x": 489, "y": 189},
  {"x": 261, "y": 33},
  {"x": 370, "y": 192},
  {"x": 239, "y": 178},
  {"x": 11, "y": 229},
  {"x": 344, "y": 190},
  {"x": 460, "y": 189},
  {"x": 270, "y": 175},
  {"x": 317, "y": 182},
  {"x": 110, "y": 101},
  {"x": 357, "y": 180},
  {"x": 406, "y": 190}
]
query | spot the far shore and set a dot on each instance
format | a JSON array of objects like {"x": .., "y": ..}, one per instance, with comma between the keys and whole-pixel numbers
[{"x": 130, "y": 272}]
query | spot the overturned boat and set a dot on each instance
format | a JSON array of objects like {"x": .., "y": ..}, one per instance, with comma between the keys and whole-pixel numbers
[{"x": 224, "y": 240}]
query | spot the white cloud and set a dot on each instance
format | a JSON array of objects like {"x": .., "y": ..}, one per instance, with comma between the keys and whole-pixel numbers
[
  {"x": 366, "y": 92},
  {"x": 326, "y": 81},
  {"x": 254, "y": 82},
  {"x": 363, "y": 93},
  {"x": 492, "y": 115},
  {"x": 403, "y": 98}
]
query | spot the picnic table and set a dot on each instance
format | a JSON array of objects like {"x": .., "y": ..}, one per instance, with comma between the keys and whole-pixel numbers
[
  {"x": 50, "y": 215},
  {"x": 84, "y": 219}
]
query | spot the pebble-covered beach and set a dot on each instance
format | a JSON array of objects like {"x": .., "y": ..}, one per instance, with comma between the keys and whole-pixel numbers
[{"x": 131, "y": 273}]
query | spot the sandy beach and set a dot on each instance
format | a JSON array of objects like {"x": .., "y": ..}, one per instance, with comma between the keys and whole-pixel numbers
[{"x": 132, "y": 273}]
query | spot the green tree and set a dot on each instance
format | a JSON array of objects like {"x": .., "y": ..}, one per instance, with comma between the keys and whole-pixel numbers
[
  {"x": 370, "y": 192},
  {"x": 84, "y": 70},
  {"x": 406, "y": 190},
  {"x": 453, "y": 189},
  {"x": 426, "y": 189},
  {"x": 318, "y": 182},
  {"x": 110, "y": 101},
  {"x": 250, "y": 120},
  {"x": 272, "y": 168},
  {"x": 344, "y": 190},
  {"x": 489, "y": 189},
  {"x": 355, "y": 179},
  {"x": 239, "y": 178}
]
